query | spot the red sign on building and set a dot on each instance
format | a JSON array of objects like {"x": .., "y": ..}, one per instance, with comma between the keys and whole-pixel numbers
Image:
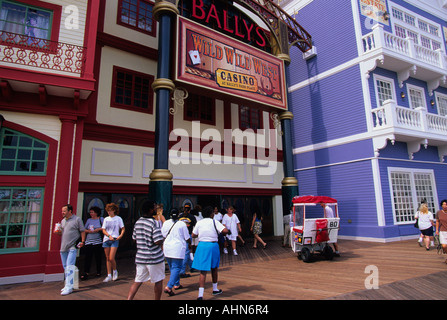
[{"x": 215, "y": 61}]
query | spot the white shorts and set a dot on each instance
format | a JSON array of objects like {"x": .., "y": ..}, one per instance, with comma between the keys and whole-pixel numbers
[
  {"x": 232, "y": 237},
  {"x": 443, "y": 237},
  {"x": 153, "y": 272}
]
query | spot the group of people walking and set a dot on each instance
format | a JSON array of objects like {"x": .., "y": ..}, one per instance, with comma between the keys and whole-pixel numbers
[
  {"x": 96, "y": 235},
  {"x": 188, "y": 238}
]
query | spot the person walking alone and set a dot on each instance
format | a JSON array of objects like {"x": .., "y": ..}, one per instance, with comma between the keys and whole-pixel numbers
[{"x": 256, "y": 228}]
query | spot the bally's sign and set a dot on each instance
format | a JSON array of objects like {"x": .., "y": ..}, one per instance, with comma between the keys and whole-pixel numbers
[{"x": 215, "y": 61}]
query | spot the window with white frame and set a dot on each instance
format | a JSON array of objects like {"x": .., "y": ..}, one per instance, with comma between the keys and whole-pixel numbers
[
  {"x": 409, "y": 187},
  {"x": 384, "y": 89},
  {"x": 442, "y": 104},
  {"x": 407, "y": 24},
  {"x": 417, "y": 97}
]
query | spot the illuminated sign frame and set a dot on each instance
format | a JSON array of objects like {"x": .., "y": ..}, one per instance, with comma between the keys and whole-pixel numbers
[{"x": 215, "y": 61}]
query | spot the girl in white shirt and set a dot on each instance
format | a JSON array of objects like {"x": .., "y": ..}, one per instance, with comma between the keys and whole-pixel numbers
[
  {"x": 232, "y": 223},
  {"x": 113, "y": 229}
]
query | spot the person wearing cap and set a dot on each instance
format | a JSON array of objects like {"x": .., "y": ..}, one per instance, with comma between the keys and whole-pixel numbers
[{"x": 190, "y": 220}]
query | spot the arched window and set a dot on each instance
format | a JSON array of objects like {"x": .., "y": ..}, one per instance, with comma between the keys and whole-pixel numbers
[{"x": 21, "y": 154}]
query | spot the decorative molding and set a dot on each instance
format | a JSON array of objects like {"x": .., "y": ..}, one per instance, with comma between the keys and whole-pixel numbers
[
  {"x": 414, "y": 147},
  {"x": 434, "y": 84},
  {"x": 131, "y": 162},
  {"x": 403, "y": 75},
  {"x": 381, "y": 142}
]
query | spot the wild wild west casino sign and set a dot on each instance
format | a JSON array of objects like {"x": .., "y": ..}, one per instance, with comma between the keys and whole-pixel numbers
[{"x": 211, "y": 59}]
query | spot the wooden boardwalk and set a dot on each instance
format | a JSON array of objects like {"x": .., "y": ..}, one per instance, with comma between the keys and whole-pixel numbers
[{"x": 405, "y": 272}]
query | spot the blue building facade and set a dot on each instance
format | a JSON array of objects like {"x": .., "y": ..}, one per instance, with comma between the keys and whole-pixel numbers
[{"x": 370, "y": 107}]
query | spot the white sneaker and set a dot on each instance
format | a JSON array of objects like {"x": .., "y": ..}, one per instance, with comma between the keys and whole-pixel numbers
[
  {"x": 66, "y": 291},
  {"x": 115, "y": 275},
  {"x": 235, "y": 252},
  {"x": 225, "y": 250},
  {"x": 108, "y": 278}
]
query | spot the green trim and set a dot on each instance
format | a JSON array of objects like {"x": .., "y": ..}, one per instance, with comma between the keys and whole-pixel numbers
[
  {"x": 21, "y": 154},
  {"x": 20, "y": 219}
]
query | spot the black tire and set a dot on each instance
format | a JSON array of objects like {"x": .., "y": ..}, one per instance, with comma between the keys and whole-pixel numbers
[
  {"x": 328, "y": 252},
  {"x": 305, "y": 254}
]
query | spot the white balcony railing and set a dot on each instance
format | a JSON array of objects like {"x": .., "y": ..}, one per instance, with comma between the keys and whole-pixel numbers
[
  {"x": 379, "y": 39},
  {"x": 390, "y": 115}
]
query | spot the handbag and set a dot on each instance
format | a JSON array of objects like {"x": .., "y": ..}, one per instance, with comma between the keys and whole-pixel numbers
[{"x": 220, "y": 236}]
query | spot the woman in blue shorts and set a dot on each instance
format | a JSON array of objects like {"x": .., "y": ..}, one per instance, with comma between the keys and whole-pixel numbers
[
  {"x": 113, "y": 229},
  {"x": 207, "y": 256}
]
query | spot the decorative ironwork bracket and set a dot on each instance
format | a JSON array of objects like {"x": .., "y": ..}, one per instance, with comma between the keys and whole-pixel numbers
[
  {"x": 179, "y": 96},
  {"x": 274, "y": 16}
]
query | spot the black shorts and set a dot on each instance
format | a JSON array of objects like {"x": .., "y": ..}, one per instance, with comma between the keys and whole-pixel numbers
[{"x": 428, "y": 232}]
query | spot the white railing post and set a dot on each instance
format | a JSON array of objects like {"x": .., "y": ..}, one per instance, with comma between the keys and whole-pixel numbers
[
  {"x": 442, "y": 59},
  {"x": 411, "y": 48},
  {"x": 390, "y": 112},
  {"x": 423, "y": 118},
  {"x": 379, "y": 37}
]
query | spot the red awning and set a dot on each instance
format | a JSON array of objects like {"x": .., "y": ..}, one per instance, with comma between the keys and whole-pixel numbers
[{"x": 313, "y": 199}]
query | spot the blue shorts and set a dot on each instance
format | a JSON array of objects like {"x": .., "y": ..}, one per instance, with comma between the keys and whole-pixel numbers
[
  {"x": 207, "y": 256},
  {"x": 110, "y": 244}
]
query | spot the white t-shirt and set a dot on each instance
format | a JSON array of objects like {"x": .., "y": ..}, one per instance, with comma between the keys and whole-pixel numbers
[
  {"x": 175, "y": 242},
  {"x": 231, "y": 224},
  {"x": 328, "y": 212},
  {"x": 425, "y": 220},
  {"x": 113, "y": 226},
  {"x": 205, "y": 230},
  {"x": 218, "y": 217}
]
